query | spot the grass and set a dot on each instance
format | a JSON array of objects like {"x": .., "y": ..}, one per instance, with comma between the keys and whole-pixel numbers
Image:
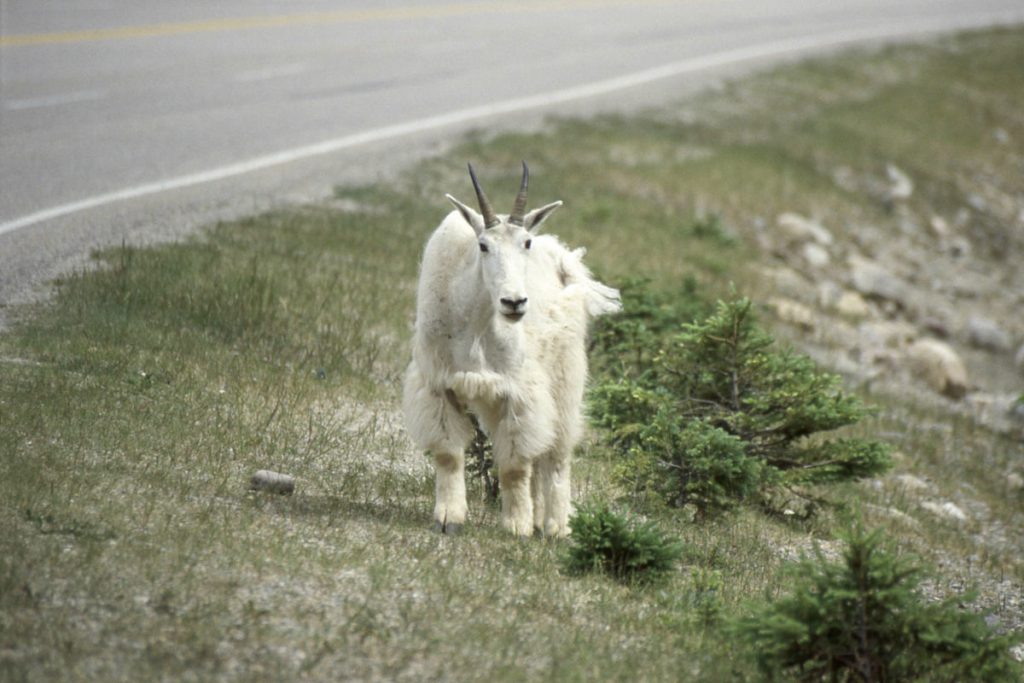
[{"x": 135, "y": 405}]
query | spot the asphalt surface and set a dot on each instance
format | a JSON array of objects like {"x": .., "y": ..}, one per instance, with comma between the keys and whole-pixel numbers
[{"x": 141, "y": 121}]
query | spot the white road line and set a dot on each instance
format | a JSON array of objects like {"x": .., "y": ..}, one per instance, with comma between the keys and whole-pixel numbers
[
  {"x": 271, "y": 72},
  {"x": 54, "y": 100},
  {"x": 644, "y": 77}
]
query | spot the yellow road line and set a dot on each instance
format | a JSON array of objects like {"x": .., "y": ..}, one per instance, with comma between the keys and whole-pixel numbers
[{"x": 278, "y": 21}]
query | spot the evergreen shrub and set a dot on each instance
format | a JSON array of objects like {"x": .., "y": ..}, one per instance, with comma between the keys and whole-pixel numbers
[
  {"x": 630, "y": 551},
  {"x": 711, "y": 413},
  {"x": 863, "y": 618}
]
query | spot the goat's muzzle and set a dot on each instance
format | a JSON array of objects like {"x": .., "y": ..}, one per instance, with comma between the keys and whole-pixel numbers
[{"x": 513, "y": 309}]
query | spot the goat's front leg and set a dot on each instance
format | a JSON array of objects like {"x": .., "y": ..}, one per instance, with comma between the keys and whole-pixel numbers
[
  {"x": 450, "y": 492},
  {"x": 483, "y": 385},
  {"x": 516, "y": 503},
  {"x": 514, "y": 476}
]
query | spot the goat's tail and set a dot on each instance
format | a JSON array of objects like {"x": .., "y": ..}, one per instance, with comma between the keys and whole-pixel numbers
[
  {"x": 599, "y": 298},
  {"x": 602, "y": 299}
]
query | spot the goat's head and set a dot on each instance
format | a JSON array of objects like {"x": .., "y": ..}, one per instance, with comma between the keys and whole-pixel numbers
[{"x": 505, "y": 245}]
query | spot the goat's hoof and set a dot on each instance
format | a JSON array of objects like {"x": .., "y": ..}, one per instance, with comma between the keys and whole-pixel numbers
[{"x": 447, "y": 528}]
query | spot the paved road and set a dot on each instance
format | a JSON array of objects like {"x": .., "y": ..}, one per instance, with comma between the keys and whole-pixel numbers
[{"x": 142, "y": 120}]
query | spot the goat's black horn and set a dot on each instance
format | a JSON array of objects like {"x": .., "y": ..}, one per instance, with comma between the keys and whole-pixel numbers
[
  {"x": 519, "y": 208},
  {"x": 490, "y": 219}
]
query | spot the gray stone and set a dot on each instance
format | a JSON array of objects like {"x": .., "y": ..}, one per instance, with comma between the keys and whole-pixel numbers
[
  {"x": 872, "y": 280},
  {"x": 984, "y": 333},
  {"x": 797, "y": 228},
  {"x": 272, "y": 482}
]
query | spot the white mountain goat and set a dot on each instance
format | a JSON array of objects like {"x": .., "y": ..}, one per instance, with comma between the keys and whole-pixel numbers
[{"x": 501, "y": 325}]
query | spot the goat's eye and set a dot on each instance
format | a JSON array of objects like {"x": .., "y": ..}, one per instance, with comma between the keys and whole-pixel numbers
[
  {"x": 483, "y": 247},
  {"x": 528, "y": 243}
]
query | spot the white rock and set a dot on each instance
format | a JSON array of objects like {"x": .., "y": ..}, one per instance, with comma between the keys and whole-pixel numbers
[
  {"x": 910, "y": 483},
  {"x": 1015, "y": 481},
  {"x": 939, "y": 366},
  {"x": 946, "y": 510},
  {"x": 852, "y": 305},
  {"x": 1018, "y": 359},
  {"x": 939, "y": 226},
  {"x": 793, "y": 312},
  {"x": 797, "y": 228},
  {"x": 901, "y": 186},
  {"x": 815, "y": 255}
]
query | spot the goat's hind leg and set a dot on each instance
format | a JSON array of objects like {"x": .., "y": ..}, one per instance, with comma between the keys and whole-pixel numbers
[{"x": 552, "y": 475}]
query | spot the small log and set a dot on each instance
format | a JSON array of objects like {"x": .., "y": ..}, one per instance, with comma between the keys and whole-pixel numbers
[{"x": 272, "y": 482}]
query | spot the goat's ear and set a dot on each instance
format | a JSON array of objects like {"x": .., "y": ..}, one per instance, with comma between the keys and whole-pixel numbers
[
  {"x": 471, "y": 216},
  {"x": 533, "y": 219}
]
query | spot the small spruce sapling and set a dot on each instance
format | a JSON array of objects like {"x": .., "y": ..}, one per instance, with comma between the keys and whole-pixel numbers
[
  {"x": 862, "y": 618},
  {"x": 605, "y": 541}
]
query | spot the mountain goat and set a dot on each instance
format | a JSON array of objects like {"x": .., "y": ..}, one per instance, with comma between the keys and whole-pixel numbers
[{"x": 501, "y": 324}]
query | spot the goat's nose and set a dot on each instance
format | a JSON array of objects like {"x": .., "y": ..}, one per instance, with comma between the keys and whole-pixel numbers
[{"x": 514, "y": 304}]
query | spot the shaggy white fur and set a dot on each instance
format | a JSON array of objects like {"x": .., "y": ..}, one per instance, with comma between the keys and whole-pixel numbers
[{"x": 501, "y": 325}]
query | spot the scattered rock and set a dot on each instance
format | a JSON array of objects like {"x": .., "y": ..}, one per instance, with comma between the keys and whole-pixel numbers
[
  {"x": 828, "y": 294},
  {"x": 272, "y": 482},
  {"x": 815, "y": 255},
  {"x": 984, "y": 333},
  {"x": 901, "y": 186},
  {"x": 872, "y": 280},
  {"x": 852, "y": 305},
  {"x": 1015, "y": 482},
  {"x": 787, "y": 282},
  {"x": 911, "y": 484},
  {"x": 939, "y": 366},
  {"x": 1001, "y": 136},
  {"x": 793, "y": 312},
  {"x": 977, "y": 202},
  {"x": 1018, "y": 359},
  {"x": 799, "y": 229},
  {"x": 948, "y": 511},
  {"x": 939, "y": 226}
]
